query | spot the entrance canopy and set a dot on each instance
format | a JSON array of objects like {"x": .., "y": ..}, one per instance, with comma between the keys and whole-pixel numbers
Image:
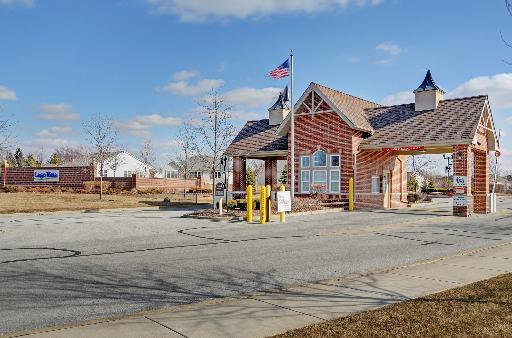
[{"x": 464, "y": 121}]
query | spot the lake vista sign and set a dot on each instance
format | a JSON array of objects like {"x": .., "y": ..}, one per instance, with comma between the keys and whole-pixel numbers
[{"x": 42, "y": 175}]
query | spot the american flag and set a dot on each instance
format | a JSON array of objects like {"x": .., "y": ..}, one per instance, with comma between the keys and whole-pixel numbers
[{"x": 281, "y": 71}]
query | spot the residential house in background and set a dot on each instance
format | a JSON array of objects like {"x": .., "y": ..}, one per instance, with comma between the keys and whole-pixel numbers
[
  {"x": 198, "y": 168},
  {"x": 118, "y": 164}
]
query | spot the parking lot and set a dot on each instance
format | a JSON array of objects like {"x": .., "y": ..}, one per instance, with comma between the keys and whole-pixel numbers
[{"x": 67, "y": 267}]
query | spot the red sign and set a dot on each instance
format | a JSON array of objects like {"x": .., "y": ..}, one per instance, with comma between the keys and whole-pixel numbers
[
  {"x": 412, "y": 148},
  {"x": 497, "y": 153}
]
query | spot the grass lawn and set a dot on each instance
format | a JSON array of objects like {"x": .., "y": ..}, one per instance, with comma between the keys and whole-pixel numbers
[
  {"x": 482, "y": 309},
  {"x": 33, "y": 202}
]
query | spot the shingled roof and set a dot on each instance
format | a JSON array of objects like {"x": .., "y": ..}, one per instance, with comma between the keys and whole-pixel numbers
[
  {"x": 351, "y": 106},
  {"x": 453, "y": 122},
  {"x": 258, "y": 137}
]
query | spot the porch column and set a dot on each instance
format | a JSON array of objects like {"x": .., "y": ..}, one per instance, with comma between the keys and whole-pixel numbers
[
  {"x": 271, "y": 172},
  {"x": 481, "y": 193},
  {"x": 239, "y": 172},
  {"x": 462, "y": 202}
]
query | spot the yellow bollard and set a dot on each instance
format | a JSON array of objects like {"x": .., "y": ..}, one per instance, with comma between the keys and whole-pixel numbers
[
  {"x": 269, "y": 202},
  {"x": 351, "y": 194},
  {"x": 282, "y": 214},
  {"x": 249, "y": 203},
  {"x": 263, "y": 211}
]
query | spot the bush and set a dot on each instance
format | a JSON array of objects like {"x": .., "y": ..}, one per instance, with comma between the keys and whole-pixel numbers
[
  {"x": 94, "y": 186},
  {"x": 167, "y": 200},
  {"x": 200, "y": 191},
  {"x": 231, "y": 204},
  {"x": 119, "y": 185}
]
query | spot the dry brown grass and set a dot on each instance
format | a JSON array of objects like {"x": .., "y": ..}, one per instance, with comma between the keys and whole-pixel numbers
[
  {"x": 482, "y": 309},
  {"x": 41, "y": 202}
]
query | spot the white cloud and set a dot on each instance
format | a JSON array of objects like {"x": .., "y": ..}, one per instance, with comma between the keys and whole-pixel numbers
[
  {"x": 141, "y": 125},
  {"x": 26, "y": 3},
  {"x": 185, "y": 75},
  {"x": 187, "y": 89},
  {"x": 6, "y": 93},
  {"x": 398, "y": 98},
  {"x": 201, "y": 10},
  {"x": 390, "y": 48},
  {"x": 54, "y": 132},
  {"x": 243, "y": 98},
  {"x": 498, "y": 87},
  {"x": 58, "y": 111}
]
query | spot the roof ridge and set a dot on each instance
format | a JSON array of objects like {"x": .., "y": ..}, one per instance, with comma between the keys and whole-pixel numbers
[
  {"x": 465, "y": 97},
  {"x": 344, "y": 93}
]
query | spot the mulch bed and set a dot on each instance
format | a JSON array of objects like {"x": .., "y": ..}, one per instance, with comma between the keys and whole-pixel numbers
[{"x": 482, "y": 309}]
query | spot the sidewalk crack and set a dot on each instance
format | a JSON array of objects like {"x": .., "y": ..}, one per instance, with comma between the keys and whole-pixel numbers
[{"x": 167, "y": 327}]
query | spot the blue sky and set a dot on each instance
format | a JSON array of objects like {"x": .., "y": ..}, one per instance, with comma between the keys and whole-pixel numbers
[{"x": 145, "y": 62}]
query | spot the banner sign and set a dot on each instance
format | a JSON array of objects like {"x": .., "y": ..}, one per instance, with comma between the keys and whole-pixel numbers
[
  {"x": 460, "y": 201},
  {"x": 460, "y": 181},
  {"x": 46, "y": 175},
  {"x": 284, "y": 201},
  {"x": 412, "y": 148}
]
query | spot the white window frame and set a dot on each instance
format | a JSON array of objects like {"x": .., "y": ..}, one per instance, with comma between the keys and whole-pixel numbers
[
  {"x": 326, "y": 177},
  {"x": 338, "y": 181},
  {"x": 313, "y": 157},
  {"x": 308, "y": 172},
  {"x": 303, "y": 157},
  {"x": 330, "y": 160},
  {"x": 375, "y": 187}
]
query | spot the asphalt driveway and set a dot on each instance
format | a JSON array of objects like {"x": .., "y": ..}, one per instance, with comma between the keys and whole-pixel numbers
[{"x": 70, "y": 267}]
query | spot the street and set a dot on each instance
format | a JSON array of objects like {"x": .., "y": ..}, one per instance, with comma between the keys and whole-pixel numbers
[{"x": 68, "y": 267}]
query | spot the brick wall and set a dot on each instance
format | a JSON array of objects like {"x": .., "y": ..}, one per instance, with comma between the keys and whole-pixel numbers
[
  {"x": 374, "y": 163},
  {"x": 70, "y": 177},
  {"x": 167, "y": 184},
  {"x": 326, "y": 131}
]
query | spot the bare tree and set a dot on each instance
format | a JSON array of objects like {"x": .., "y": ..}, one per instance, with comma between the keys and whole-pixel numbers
[
  {"x": 508, "y": 5},
  {"x": 185, "y": 157},
  {"x": 147, "y": 152},
  {"x": 69, "y": 155},
  {"x": 5, "y": 128},
  {"x": 421, "y": 164},
  {"x": 114, "y": 162},
  {"x": 102, "y": 135},
  {"x": 257, "y": 167},
  {"x": 214, "y": 131}
]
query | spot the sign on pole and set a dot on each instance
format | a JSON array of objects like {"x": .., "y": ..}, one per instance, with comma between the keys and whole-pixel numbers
[
  {"x": 460, "y": 190},
  {"x": 284, "y": 201}
]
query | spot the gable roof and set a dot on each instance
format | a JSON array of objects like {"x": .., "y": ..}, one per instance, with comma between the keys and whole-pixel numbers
[
  {"x": 350, "y": 108},
  {"x": 455, "y": 121},
  {"x": 257, "y": 137}
]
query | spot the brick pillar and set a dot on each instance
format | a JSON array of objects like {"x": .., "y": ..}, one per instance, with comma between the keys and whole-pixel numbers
[
  {"x": 481, "y": 193},
  {"x": 271, "y": 172},
  {"x": 239, "y": 172},
  {"x": 461, "y": 167}
]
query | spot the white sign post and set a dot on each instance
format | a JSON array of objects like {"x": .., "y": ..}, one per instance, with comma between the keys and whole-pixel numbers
[{"x": 284, "y": 201}]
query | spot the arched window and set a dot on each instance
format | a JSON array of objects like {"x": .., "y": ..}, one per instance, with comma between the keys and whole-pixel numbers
[{"x": 319, "y": 158}]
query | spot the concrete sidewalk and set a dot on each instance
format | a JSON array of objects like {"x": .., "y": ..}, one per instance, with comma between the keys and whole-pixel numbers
[{"x": 273, "y": 312}]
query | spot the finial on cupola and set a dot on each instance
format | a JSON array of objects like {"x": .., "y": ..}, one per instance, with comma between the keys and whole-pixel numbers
[{"x": 428, "y": 94}]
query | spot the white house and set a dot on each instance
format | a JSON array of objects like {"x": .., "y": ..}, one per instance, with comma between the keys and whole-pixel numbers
[{"x": 118, "y": 164}]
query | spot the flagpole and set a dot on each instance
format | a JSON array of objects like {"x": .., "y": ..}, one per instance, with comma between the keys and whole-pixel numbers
[{"x": 292, "y": 131}]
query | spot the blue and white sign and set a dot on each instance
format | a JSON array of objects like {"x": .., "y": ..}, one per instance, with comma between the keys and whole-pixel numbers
[
  {"x": 46, "y": 175},
  {"x": 460, "y": 181}
]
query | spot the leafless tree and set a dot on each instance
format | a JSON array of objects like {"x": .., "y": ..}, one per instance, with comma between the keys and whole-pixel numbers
[
  {"x": 5, "y": 128},
  {"x": 257, "y": 167},
  {"x": 102, "y": 136},
  {"x": 69, "y": 155},
  {"x": 185, "y": 157},
  {"x": 114, "y": 162},
  {"x": 421, "y": 164},
  {"x": 214, "y": 131},
  {"x": 147, "y": 152},
  {"x": 508, "y": 5}
]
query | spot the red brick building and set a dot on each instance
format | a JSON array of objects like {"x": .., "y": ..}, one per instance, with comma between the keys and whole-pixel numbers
[{"x": 339, "y": 136}]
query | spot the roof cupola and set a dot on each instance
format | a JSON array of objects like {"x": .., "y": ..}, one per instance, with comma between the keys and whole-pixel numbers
[{"x": 428, "y": 94}]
